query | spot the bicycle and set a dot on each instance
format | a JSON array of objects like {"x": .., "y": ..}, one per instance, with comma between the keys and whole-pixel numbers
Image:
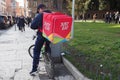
[{"x": 48, "y": 59}]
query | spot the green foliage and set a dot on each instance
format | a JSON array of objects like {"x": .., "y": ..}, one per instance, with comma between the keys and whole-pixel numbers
[
  {"x": 95, "y": 44},
  {"x": 80, "y": 6},
  {"x": 86, "y": 4},
  {"x": 114, "y": 4},
  {"x": 103, "y": 4},
  {"x": 93, "y": 5}
]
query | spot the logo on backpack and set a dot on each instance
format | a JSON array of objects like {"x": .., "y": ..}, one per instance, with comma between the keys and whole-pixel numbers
[
  {"x": 64, "y": 25},
  {"x": 47, "y": 26}
]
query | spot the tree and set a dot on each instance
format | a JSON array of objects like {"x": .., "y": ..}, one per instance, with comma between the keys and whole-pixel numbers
[
  {"x": 114, "y": 4},
  {"x": 81, "y": 6},
  {"x": 109, "y": 5},
  {"x": 93, "y": 5},
  {"x": 104, "y": 5}
]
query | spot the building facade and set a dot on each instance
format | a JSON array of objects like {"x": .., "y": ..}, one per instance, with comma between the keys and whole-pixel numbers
[
  {"x": 25, "y": 7},
  {"x": 8, "y": 7},
  {"x": 2, "y": 7},
  {"x": 17, "y": 9},
  {"x": 13, "y": 8}
]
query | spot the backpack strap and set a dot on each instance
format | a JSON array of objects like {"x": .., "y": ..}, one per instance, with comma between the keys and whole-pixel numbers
[{"x": 40, "y": 29}]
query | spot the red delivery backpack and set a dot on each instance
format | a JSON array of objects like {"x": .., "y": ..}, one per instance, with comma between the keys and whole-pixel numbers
[{"x": 57, "y": 27}]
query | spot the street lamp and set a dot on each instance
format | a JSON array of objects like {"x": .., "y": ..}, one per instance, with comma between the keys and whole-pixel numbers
[{"x": 73, "y": 9}]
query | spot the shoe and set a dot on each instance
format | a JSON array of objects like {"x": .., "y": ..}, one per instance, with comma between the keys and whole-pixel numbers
[{"x": 33, "y": 73}]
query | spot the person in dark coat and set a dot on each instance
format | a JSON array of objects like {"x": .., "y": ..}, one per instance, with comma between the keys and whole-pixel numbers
[
  {"x": 21, "y": 23},
  {"x": 28, "y": 21},
  {"x": 37, "y": 24}
]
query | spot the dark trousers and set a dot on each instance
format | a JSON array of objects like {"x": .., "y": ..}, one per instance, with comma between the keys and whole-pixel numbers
[{"x": 37, "y": 49}]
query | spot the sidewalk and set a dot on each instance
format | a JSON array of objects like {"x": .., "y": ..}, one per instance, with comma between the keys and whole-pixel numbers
[{"x": 15, "y": 62}]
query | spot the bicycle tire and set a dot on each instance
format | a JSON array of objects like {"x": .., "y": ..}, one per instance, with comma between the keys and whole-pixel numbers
[
  {"x": 49, "y": 65},
  {"x": 30, "y": 49}
]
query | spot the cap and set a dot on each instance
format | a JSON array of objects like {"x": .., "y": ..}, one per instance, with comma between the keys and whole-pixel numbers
[{"x": 41, "y": 6}]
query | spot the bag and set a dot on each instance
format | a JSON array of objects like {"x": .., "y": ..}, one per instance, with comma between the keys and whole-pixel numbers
[{"x": 57, "y": 27}]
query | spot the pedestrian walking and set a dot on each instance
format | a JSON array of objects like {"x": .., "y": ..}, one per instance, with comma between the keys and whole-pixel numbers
[
  {"x": 94, "y": 18},
  {"x": 110, "y": 18},
  {"x": 107, "y": 17},
  {"x": 28, "y": 21},
  {"x": 21, "y": 23},
  {"x": 16, "y": 20},
  {"x": 116, "y": 17},
  {"x": 119, "y": 18},
  {"x": 37, "y": 25}
]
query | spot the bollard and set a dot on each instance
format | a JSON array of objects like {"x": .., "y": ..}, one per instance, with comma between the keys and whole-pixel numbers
[
  {"x": 119, "y": 77},
  {"x": 56, "y": 52},
  {"x": 110, "y": 76}
]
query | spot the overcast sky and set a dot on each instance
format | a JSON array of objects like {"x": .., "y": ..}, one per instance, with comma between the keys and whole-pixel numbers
[{"x": 21, "y": 2}]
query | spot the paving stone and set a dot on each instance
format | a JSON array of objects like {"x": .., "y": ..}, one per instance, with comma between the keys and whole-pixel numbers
[
  {"x": 7, "y": 47},
  {"x": 22, "y": 75},
  {"x": 7, "y": 69},
  {"x": 7, "y": 55}
]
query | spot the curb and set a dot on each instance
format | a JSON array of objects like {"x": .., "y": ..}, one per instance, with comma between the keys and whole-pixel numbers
[{"x": 74, "y": 71}]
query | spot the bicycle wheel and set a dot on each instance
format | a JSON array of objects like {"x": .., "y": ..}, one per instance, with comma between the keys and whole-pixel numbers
[
  {"x": 49, "y": 65},
  {"x": 30, "y": 51}
]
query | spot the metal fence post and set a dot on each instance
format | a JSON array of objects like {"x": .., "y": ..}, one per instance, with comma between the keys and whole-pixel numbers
[{"x": 73, "y": 9}]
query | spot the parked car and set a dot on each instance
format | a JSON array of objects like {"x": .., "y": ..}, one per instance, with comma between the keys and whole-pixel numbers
[{"x": 4, "y": 23}]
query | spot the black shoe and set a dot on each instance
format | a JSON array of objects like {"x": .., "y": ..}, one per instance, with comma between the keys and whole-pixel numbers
[{"x": 33, "y": 73}]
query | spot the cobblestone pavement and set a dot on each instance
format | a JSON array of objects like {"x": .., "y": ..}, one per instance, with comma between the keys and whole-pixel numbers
[{"x": 15, "y": 62}]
